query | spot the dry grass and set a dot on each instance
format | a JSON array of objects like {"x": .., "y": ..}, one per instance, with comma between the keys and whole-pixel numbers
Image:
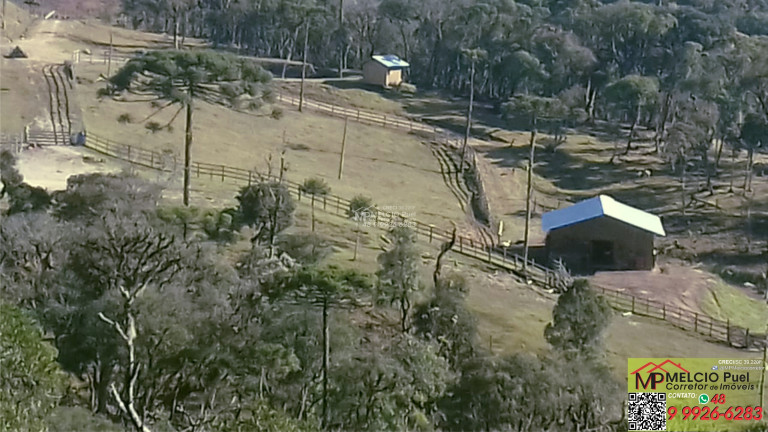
[
  {"x": 392, "y": 167},
  {"x": 515, "y": 317},
  {"x": 349, "y": 94},
  {"x": 17, "y": 20}
]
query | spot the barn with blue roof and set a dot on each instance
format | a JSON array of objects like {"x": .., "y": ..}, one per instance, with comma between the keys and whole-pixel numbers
[
  {"x": 384, "y": 70},
  {"x": 601, "y": 234}
]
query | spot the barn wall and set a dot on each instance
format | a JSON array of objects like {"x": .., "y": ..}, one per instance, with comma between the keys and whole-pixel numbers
[
  {"x": 394, "y": 77},
  {"x": 375, "y": 73},
  {"x": 632, "y": 247}
]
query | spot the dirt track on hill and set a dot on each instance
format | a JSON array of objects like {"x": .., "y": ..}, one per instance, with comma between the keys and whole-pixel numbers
[{"x": 681, "y": 287}]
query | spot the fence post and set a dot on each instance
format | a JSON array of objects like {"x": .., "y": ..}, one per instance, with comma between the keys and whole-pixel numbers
[
  {"x": 710, "y": 327},
  {"x": 489, "y": 255},
  {"x": 332, "y": 109},
  {"x": 633, "y": 304},
  {"x": 249, "y": 177},
  {"x": 696, "y": 321},
  {"x": 129, "y": 153},
  {"x": 461, "y": 244},
  {"x": 728, "y": 331},
  {"x": 324, "y": 202},
  {"x": 504, "y": 255},
  {"x": 664, "y": 311},
  {"x": 431, "y": 227},
  {"x": 152, "y": 159},
  {"x": 222, "y": 173},
  {"x": 385, "y": 121},
  {"x": 746, "y": 340},
  {"x": 198, "y": 169},
  {"x": 358, "y": 115}
]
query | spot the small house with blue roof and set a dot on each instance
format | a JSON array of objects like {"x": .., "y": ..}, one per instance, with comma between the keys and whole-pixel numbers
[
  {"x": 601, "y": 234},
  {"x": 384, "y": 70}
]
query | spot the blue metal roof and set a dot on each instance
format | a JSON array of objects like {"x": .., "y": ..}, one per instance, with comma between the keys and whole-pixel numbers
[
  {"x": 600, "y": 206},
  {"x": 391, "y": 61}
]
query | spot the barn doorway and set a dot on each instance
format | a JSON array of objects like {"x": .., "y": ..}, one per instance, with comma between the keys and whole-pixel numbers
[{"x": 602, "y": 254}]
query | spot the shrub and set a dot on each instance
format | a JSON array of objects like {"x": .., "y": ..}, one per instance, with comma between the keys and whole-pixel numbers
[
  {"x": 125, "y": 118},
  {"x": 153, "y": 127}
]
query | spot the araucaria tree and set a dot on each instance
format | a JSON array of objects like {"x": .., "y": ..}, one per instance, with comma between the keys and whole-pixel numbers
[
  {"x": 326, "y": 289},
  {"x": 182, "y": 77},
  {"x": 399, "y": 272},
  {"x": 314, "y": 187}
]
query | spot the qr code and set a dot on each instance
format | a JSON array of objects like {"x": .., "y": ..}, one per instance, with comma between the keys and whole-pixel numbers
[{"x": 647, "y": 411}]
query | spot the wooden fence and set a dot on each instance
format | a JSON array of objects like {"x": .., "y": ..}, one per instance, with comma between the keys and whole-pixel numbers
[
  {"x": 496, "y": 256},
  {"x": 372, "y": 118}
]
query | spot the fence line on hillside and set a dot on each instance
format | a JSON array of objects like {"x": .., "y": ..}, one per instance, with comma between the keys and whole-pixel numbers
[
  {"x": 496, "y": 256},
  {"x": 370, "y": 117}
]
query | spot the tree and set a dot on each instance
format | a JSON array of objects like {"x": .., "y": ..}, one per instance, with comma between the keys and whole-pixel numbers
[
  {"x": 94, "y": 311},
  {"x": 399, "y": 272},
  {"x": 9, "y": 174},
  {"x": 753, "y": 136},
  {"x": 446, "y": 320},
  {"x": 473, "y": 55},
  {"x": 388, "y": 385},
  {"x": 90, "y": 196},
  {"x": 528, "y": 394},
  {"x": 325, "y": 289},
  {"x": 535, "y": 108},
  {"x": 181, "y": 77},
  {"x": 629, "y": 95},
  {"x": 578, "y": 320},
  {"x": 315, "y": 187},
  {"x": 32, "y": 382},
  {"x": 359, "y": 210},
  {"x": 21, "y": 196},
  {"x": 267, "y": 207}
]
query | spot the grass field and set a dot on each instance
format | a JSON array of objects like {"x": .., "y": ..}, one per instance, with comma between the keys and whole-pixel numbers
[
  {"x": 394, "y": 168},
  {"x": 398, "y": 169},
  {"x": 723, "y": 302}
]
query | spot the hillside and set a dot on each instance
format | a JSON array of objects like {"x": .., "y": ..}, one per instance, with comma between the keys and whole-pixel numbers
[{"x": 263, "y": 306}]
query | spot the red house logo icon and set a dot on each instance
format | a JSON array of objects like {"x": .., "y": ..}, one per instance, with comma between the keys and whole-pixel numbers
[{"x": 655, "y": 373}]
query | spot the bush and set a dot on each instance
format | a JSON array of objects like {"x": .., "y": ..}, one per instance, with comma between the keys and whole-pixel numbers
[
  {"x": 267, "y": 207},
  {"x": 31, "y": 381},
  {"x": 277, "y": 113},
  {"x": 153, "y": 126},
  {"x": 306, "y": 248},
  {"x": 125, "y": 118},
  {"x": 406, "y": 88},
  {"x": 357, "y": 204},
  {"x": 578, "y": 319}
]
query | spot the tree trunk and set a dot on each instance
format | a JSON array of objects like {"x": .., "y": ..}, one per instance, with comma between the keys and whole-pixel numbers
[
  {"x": 682, "y": 185},
  {"x": 405, "y": 306},
  {"x": 188, "y": 148},
  {"x": 469, "y": 114},
  {"x": 326, "y": 361},
  {"x": 303, "y": 68},
  {"x": 103, "y": 378},
  {"x": 662, "y": 124},
  {"x": 357, "y": 240},
  {"x": 719, "y": 153},
  {"x": 635, "y": 121},
  {"x": 342, "y": 41},
  {"x": 313, "y": 212},
  {"x": 529, "y": 193},
  {"x": 748, "y": 174},
  {"x": 175, "y": 30}
]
